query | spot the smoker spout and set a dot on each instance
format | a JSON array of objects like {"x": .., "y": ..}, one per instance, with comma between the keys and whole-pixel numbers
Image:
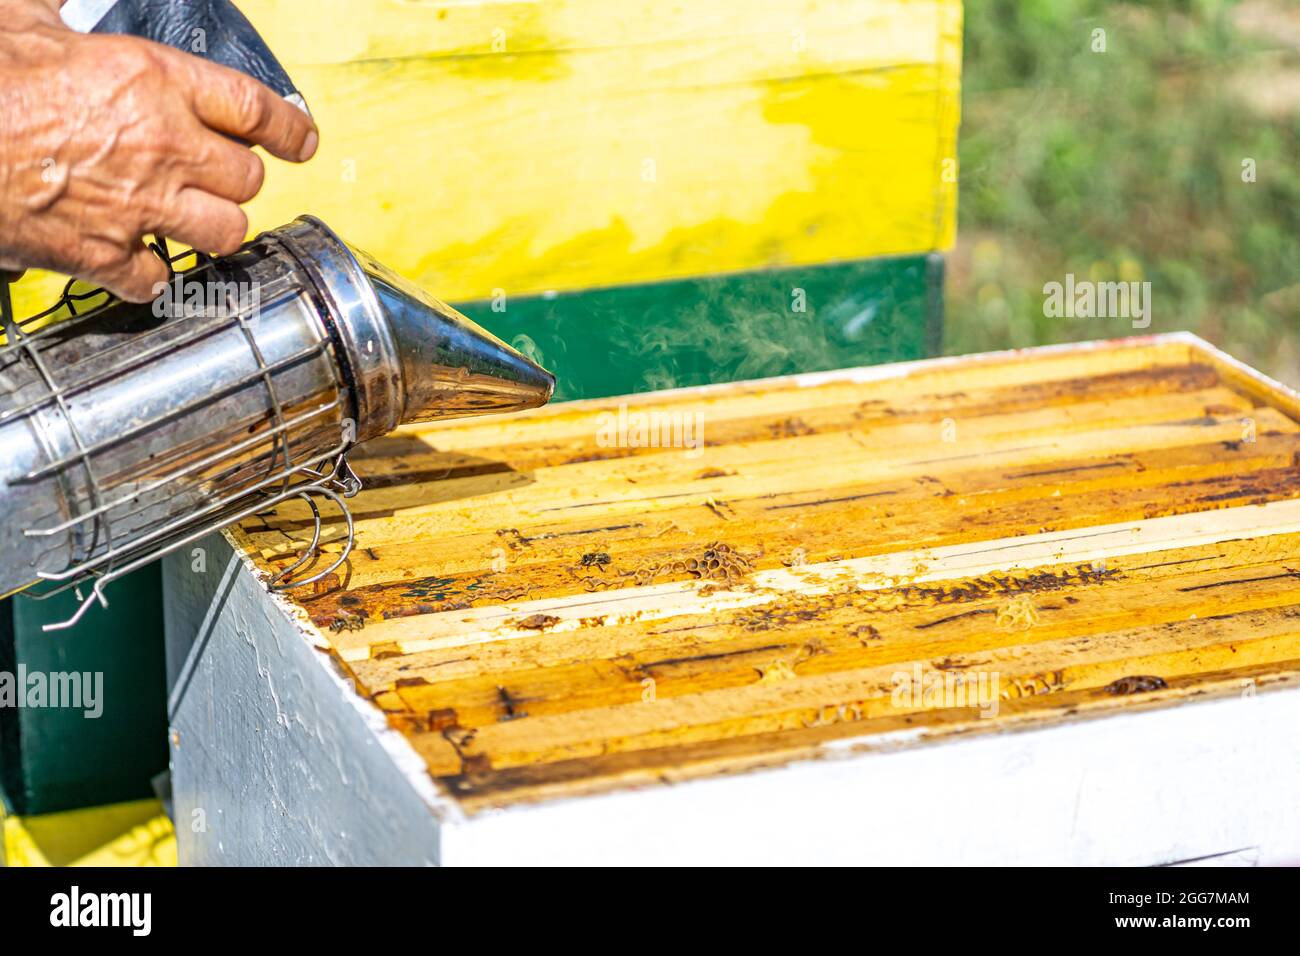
[
  {"x": 450, "y": 366},
  {"x": 412, "y": 358}
]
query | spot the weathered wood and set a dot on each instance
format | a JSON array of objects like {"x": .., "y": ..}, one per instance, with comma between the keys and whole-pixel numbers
[
  {"x": 507, "y": 147},
  {"x": 515, "y": 147},
  {"x": 1087, "y": 530}
]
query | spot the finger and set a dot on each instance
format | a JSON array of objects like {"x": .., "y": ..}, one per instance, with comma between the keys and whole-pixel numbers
[
  {"x": 48, "y": 12},
  {"x": 230, "y": 102},
  {"x": 137, "y": 278},
  {"x": 203, "y": 221},
  {"x": 226, "y": 169}
]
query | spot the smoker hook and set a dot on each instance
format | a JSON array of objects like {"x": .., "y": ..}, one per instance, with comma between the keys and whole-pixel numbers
[{"x": 280, "y": 582}]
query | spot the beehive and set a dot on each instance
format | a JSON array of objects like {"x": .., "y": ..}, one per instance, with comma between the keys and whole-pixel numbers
[
  {"x": 550, "y": 611},
  {"x": 636, "y": 194}
]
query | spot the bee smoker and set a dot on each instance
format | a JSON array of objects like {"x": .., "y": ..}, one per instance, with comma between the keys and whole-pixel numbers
[{"x": 130, "y": 431}]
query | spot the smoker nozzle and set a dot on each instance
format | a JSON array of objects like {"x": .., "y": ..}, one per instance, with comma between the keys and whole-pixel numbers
[{"x": 412, "y": 357}]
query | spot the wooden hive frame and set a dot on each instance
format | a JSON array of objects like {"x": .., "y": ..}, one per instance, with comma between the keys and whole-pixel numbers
[{"x": 543, "y": 615}]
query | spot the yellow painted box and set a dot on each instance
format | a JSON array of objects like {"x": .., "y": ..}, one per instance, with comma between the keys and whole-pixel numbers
[
  {"x": 134, "y": 833},
  {"x": 489, "y": 148}
]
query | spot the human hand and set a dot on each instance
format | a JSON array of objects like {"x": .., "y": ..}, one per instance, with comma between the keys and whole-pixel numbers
[{"x": 105, "y": 139}]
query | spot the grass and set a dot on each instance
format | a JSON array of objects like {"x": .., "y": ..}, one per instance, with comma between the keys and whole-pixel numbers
[{"x": 1127, "y": 164}]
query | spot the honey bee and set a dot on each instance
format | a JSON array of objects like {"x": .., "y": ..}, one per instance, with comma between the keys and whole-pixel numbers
[{"x": 347, "y": 622}]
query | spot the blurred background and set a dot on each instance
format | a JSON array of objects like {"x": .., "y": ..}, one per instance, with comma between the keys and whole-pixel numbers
[{"x": 1127, "y": 164}]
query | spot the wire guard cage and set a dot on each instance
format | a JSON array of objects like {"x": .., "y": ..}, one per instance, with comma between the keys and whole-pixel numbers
[{"x": 129, "y": 432}]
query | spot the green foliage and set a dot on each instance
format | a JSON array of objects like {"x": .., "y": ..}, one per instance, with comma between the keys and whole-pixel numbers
[{"x": 1127, "y": 164}]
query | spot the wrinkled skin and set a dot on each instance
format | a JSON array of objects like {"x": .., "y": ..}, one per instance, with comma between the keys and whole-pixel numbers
[{"x": 106, "y": 139}]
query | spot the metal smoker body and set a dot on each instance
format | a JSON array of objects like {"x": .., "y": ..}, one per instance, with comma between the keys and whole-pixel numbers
[{"x": 125, "y": 435}]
